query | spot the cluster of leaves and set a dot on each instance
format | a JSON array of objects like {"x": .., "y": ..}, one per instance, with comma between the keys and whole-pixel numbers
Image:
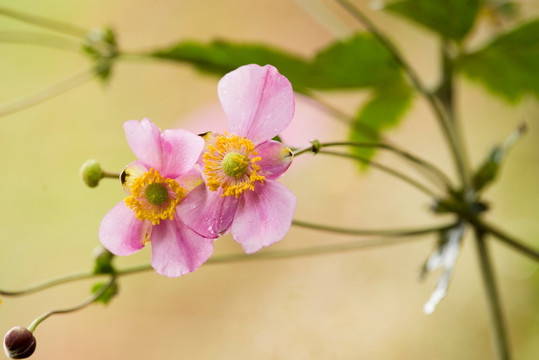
[{"x": 508, "y": 66}]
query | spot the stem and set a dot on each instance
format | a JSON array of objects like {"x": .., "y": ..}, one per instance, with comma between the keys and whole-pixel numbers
[
  {"x": 448, "y": 130},
  {"x": 309, "y": 251},
  {"x": 42, "y": 95},
  {"x": 50, "y": 41},
  {"x": 370, "y": 232},
  {"x": 80, "y": 306},
  {"x": 232, "y": 258},
  {"x": 62, "y": 27},
  {"x": 386, "y": 169},
  {"x": 445, "y": 181},
  {"x": 50, "y": 283},
  {"x": 508, "y": 240},
  {"x": 111, "y": 175},
  {"x": 496, "y": 316}
]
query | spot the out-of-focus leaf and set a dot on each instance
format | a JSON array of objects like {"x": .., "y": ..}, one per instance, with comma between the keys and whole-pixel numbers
[
  {"x": 490, "y": 167},
  {"x": 450, "y": 18},
  {"x": 220, "y": 57},
  {"x": 358, "y": 62},
  {"x": 107, "y": 294},
  {"x": 509, "y": 65},
  {"x": 384, "y": 110},
  {"x": 444, "y": 256}
]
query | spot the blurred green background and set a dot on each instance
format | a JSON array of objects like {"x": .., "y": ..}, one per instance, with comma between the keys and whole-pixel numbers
[{"x": 364, "y": 304}]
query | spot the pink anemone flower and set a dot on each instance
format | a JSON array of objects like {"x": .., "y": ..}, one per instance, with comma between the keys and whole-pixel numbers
[
  {"x": 155, "y": 185},
  {"x": 240, "y": 193}
]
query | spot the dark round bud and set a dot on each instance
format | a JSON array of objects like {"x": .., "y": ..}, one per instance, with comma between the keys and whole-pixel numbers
[
  {"x": 91, "y": 173},
  {"x": 19, "y": 343}
]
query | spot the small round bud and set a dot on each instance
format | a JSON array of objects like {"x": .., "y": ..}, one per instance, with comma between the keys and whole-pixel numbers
[
  {"x": 19, "y": 343},
  {"x": 316, "y": 146},
  {"x": 91, "y": 173}
]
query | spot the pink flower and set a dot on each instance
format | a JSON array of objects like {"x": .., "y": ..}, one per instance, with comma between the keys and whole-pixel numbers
[
  {"x": 240, "y": 167},
  {"x": 155, "y": 185}
]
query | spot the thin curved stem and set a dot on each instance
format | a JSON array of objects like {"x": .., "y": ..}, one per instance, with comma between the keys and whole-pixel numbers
[
  {"x": 309, "y": 251},
  {"x": 385, "y": 169},
  {"x": 493, "y": 299},
  {"x": 46, "y": 40},
  {"x": 372, "y": 232},
  {"x": 78, "y": 307},
  {"x": 232, "y": 258},
  {"x": 448, "y": 130},
  {"x": 64, "y": 28},
  {"x": 50, "y": 283},
  {"x": 444, "y": 180},
  {"x": 508, "y": 240},
  {"x": 42, "y": 95}
]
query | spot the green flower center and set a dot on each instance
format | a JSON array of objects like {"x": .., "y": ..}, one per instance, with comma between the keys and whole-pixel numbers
[
  {"x": 156, "y": 194},
  {"x": 235, "y": 164}
]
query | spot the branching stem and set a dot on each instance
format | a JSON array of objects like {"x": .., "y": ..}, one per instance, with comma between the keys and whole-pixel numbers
[{"x": 448, "y": 130}]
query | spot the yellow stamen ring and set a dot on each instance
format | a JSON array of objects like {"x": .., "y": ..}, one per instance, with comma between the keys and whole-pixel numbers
[
  {"x": 154, "y": 198},
  {"x": 230, "y": 163}
]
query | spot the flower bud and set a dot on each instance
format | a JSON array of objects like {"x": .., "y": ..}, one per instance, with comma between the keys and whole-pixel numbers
[
  {"x": 91, "y": 173},
  {"x": 103, "y": 261},
  {"x": 19, "y": 343}
]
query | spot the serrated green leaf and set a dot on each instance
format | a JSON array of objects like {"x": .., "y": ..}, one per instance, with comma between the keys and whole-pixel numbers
[
  {"x": 451, "y": 19},
  {"x": 384, "y": 110},
  {"x": 509, "y": 65},
  {"x": 107, "y": 294},
  {"x": 358, "y": 62}
]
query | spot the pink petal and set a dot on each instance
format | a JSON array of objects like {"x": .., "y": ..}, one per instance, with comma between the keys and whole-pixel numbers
[
  {"x": 275, "y": 159},
  {"x": 121, "y": 232},
  {"x": 191, "y": 179},
  {"x": 207, "y": 212},
  {"x": 263, "y": 216},
  {"x": 258, "y": 102},
  {"x": 180, "y": 151},
  {"x": 176, "y": 250},
  {"x": 144, "y": 138},
  {"x": 172, "y": 153}
]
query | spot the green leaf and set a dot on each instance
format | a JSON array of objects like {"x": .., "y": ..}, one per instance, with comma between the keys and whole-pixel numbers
[
  {"x": 509, "y": 65},
  {"x": 220, "y": 57},
  {"x": 108, "y": 293},
  {"x": 358, "y": 62},
  {"x": 384, "y": 110},
  {"x": 451, "y": 19}
]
